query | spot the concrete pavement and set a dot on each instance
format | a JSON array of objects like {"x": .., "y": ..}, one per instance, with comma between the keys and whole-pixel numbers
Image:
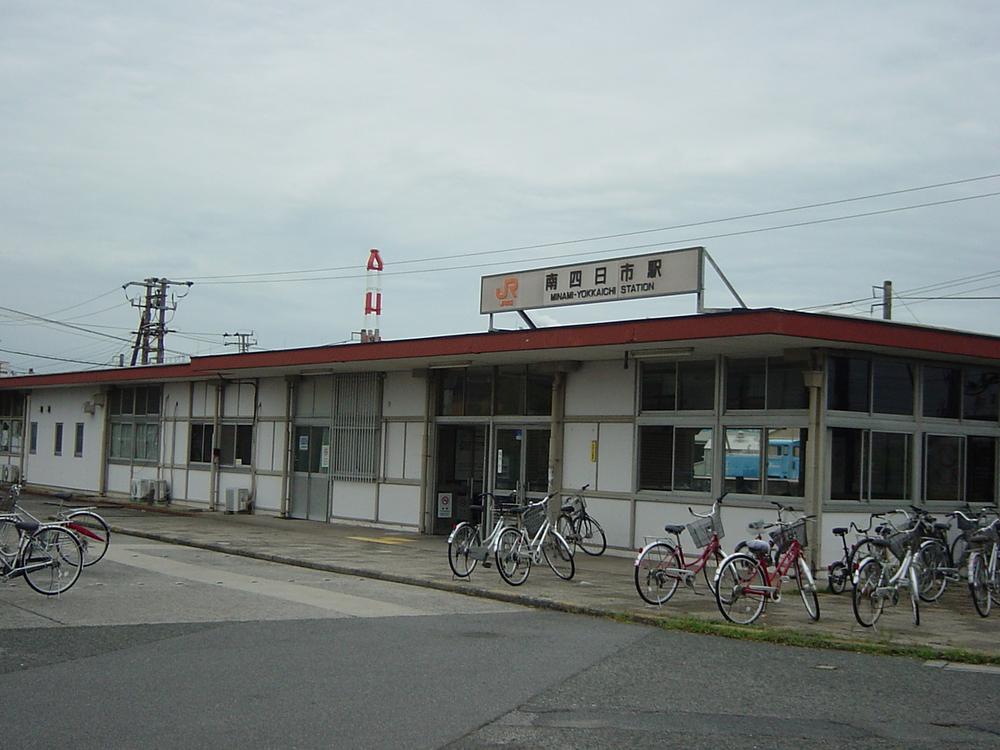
[{"x": 602, "y": 585}]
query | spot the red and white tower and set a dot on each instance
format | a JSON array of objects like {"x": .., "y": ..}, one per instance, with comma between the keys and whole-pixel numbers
[{"x": 373, "y": 298}]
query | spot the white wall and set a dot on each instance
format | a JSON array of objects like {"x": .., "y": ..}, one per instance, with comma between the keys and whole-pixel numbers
[
  {"x": 601, "y": 388},
  {"x": 354, "y": 500},
  {"x": 65, "y": 406},
  {"x": 404, "y": 395},
  {"x": 399, "y": 504}
]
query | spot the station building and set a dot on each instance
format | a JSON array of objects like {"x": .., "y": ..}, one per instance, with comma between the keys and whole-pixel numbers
[{"x": 837, "y": 416}]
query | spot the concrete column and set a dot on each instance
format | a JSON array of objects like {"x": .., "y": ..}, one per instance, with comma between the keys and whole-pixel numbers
[
  {"x": 556, "y": 427},
  {"x": 813, "y": 501}
]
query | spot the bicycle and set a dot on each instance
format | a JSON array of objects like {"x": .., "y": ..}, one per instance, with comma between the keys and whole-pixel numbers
[
  {"x": 536, "y": 539},
  {"x": 466, "y": 545},
  {"x": 579, "y": 528},
  {"x": 984, "y": 578},
  {"x": 92, "y": 530},
  {"x": 660, "y": 566},
  {"x": 747, "y": 580},
  {"x": 878, "y": 580},
  {"x": 47, "y": 556},
  {"x": 967, "y": 527},
  {"x": 841, "y": 572}
]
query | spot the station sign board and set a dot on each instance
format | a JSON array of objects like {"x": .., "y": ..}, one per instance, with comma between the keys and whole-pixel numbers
[{"x": 660, "y": 274}]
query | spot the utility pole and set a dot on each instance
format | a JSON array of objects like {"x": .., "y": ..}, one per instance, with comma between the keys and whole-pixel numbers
[
  {"x": 244, "y": 341},
  {"x": 153, "y": 306},
  {"x": 886, "y": 303}
]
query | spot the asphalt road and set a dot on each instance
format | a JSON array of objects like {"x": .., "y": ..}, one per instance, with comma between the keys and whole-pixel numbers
[{"x": 167, "y": 647}]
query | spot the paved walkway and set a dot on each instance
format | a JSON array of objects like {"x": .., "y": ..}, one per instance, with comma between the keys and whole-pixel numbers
[{"x": 602, "y": 585}]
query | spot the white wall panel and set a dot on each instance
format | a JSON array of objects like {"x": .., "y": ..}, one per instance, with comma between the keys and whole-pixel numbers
[
  {"x": 272, "y": 397},
  {"x": 404, "y": 395},
  {"x": 395, "y": 438},
  {"x": 614, "y": 517},
  {"x": 414, "y": 463},
  {"x": 268, "y": 495},
  {"x": 614, "y": 457},
  {"x": 601, "y": 389},
  {"x": 354, "y": 500},
  {"x": 399, "y": 504},
  {"x": 578, "y": 469}
]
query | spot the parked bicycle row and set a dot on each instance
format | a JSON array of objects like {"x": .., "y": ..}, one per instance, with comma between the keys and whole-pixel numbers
[
  {"x": 49, "y": 555},
  {"x": 905, "y": 552}
]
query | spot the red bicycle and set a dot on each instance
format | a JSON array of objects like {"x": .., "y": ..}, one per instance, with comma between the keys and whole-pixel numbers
[
  {"x": 660, "y": 566},
  {"x": 750, "y": 578}
]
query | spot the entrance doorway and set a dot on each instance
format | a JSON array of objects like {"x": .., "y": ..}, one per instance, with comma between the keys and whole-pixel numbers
[
  {"x": 522, "y": 461},
  {"x": 311, "y": 476}
]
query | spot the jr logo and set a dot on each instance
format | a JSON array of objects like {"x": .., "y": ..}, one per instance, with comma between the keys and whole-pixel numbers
[{"x": 508, "y": 294}]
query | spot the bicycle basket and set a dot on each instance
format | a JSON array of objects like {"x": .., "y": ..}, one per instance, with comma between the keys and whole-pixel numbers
[
  {"x": 6, "y": 504},
  {"x": 701, "y": 530},
  {"x": 900, "y": 542},
  {"x": 783, "y": 537},
  {"x": 533, "y": 518}
]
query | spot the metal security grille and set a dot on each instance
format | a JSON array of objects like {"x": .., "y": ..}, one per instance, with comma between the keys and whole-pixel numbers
[{"x": 357, "y": 412}]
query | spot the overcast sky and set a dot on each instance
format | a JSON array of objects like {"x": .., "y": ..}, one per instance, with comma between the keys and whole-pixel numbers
[{"x": 200, "y": 141}]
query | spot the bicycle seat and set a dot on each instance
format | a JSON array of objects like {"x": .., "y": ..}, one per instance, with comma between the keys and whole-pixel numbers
[
  {"x": 942, "y": 526},
  {"x": 840, "y": 531},
  {"x": 674, "y": 528},
  {"x": 28, "y": 526},
  {"x": 876, "y": 542},
  {"x": 760, "y": 546},
  {"x": 568, "y": 508},
  {"x": 64, "y": 495},
  {"x": 475, "y": 508}
]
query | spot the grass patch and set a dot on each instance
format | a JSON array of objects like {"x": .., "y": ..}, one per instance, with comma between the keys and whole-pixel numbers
[{"x": 786, "y": 637}]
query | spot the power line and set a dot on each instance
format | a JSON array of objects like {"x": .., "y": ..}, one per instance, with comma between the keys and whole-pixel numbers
[
  {"x": 57, "y": 359},
  {"x": 646, "y": 246}
]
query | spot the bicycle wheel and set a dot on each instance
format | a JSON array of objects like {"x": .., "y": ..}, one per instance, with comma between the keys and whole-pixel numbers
[
  {"x": 711, "y": 568},
  {"x": 564, "y": 525},
  {"x": 867, "y": 603},
  {"x": 10, "y": 537},
  {"x": 93, "y": 533},
  {"x": 861, "y": 550},
  {"x": 979, "y": 585},
  {"x": 512, "y": 564},
  {"x": 558, "y": 555},
  {"x": 931, "y": 558},
  {"x": 590, "y": 536},
  {"x": 53, "y": 560},
  {"x": 837, "y": 577},
  {"x": 807, "y": 588},
  {"x": 462, "y": 540},
  {"x": 653, "y": 579},
  {"x": 740, "y": 572},
  {"x": 915, "y": 595},
  {"x": 960, "y": 555}
]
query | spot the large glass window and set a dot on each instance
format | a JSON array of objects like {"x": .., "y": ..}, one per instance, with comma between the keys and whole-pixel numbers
[
  {"x": 235, "y": 445},
  {"x": 11, "y": 422},
  {"x": 680, "y": 386},
  {"x": 942, "y": 392},
  {"x": 867, "y": 465},
  {"x": 848, "y": 384},
  {"x": 483, "y": 391},
  {"x": 745, "y": 383},
  {"x": 675, "y": 458},
  {"x": 981, "y": 469},
  {"x": 200, "y": 448},
  {"x": 786, "y": 388},
  {"x": 892, "y": 387},
  {"x": 979, "y": 394},
  {"x": 943, "y": 464},
  {"x": 774, "y": 455},
  {"x": 757, "y": 384},
  {"x": 135, "y": 423}
]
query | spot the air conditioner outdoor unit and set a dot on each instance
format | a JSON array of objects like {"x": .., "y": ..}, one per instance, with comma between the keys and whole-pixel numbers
[
  {"x": 161, "y": 491},
  {"x": 237, "y": 500},
  {"x": 142, "y": 489}
]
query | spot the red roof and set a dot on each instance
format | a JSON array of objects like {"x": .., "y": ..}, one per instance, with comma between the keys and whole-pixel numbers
[{"x": 805, "y": 329}]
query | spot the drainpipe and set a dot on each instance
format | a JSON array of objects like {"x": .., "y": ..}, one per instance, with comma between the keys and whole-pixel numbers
[
  {"x": 428, "y": 472},
  {"x": 253, "y": 443},
  {"x": 813, "y": 501},
  {"x": 102, "y": 479}
]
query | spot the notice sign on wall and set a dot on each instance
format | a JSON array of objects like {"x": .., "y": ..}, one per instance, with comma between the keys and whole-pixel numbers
[
  {"x": 636, "y": 277},
  {"x": 445, "y": 503}
]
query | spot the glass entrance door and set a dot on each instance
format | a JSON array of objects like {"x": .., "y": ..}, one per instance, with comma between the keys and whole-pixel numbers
[
  {"x": 461, "y": 473},
  {"x": 311, "y": 477},
  {"x": 522, "y": 461}
]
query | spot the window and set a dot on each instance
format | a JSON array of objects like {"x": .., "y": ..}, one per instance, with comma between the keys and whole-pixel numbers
[
  {"x": 59, "y": 436},
  {"x": 758, "y": 384},
  {"x": 869, "y": 465},
  {"x": 675, "y": 458},
  {"x": 943, "y": 464},
  {"x": 981, "y": 470},
  {"x": 775, "y": 454},
  {"x": 979, "y": 394},
  {"x": 200, "y": 448},
  {"x": 78, "y": 440},
  {"x": 483, "y": 391},
  {"x": 848, "y": 384},
  {"x": 312, "y": 449},
  {"x": 892, "y": 387},
  {"x": 33, "y": 444},
  {"x": 11, "y": 422},
  {"x": 235, "y": 445},
  {"x": 942, "y": 392},
  {"x": 135, "y": 423},
  {"x": 677, "y": 386}
]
